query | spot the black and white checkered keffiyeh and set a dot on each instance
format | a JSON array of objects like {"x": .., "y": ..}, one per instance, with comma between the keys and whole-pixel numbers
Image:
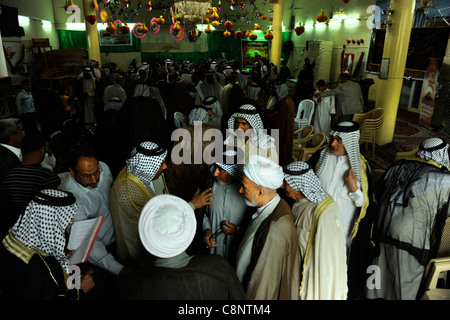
[
  {"x": 145, "y": 160},
  {"x": 257, "y": 135},
  {"x": 198, "y": 114},
  {"x": 349, "y": 133},
  {"x": 434, "y": 149},
  {"x": 231, "y": 164},
  {"x": 42, "y": 226},
  {"x": 300, "y": 176},
  {"x": 211, "y": 102}
]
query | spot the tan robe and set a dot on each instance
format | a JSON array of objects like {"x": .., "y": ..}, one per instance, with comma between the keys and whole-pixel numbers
[
  {"x": 128, "y": 196},
  {"x": 322, "y": 250},
  {"x": 273, "y": 271}
]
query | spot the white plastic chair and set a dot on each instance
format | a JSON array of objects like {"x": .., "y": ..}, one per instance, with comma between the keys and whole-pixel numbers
[{"x": 307, "y": 107}]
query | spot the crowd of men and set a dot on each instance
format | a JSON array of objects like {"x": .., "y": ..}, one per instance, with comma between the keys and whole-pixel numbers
[{"x": 246, "y": 223}]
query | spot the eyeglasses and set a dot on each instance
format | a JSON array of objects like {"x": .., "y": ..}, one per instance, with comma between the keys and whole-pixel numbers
[{"x": 87, "y": 177}]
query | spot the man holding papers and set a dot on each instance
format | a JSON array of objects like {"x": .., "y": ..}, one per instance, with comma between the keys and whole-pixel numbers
[{"x": 90, "y": 181}]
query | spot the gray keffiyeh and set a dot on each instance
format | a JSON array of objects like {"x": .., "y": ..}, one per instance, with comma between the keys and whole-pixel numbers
[
  {"x": 211, "y": 102},
  {"x": 349, "y": 133},
  {"x": 282, "y": 90},
  {"x": 43, "y": 224},
  {"x": 199, "y": 114},
  {"x": 253, "y": 91},
  {"x": 145, "y": 161},
  {"x": 434, "y": 149},
  {"x": 300, "y": 176}
]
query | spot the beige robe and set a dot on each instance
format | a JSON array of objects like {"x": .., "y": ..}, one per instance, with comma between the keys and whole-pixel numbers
[
  {"x": 322, "y": 250},
  {"x": 128, "y": 196},
  {"x": 268, "y": 258}
]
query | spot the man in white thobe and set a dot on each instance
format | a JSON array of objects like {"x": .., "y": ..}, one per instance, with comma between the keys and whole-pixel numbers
[
  {"x": 225, "y": 219},
  {"x": 325, "y": 109},
  {"x": 321, "y": 238}
]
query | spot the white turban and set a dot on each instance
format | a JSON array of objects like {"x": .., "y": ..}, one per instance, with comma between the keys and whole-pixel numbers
[
  {"x": 167, "y": 226},
  {"x": 264, "y": 172}
]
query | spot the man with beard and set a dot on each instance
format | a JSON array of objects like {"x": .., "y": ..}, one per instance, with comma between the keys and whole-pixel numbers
[
  {"x": 90, "y": 182},
  {"x": 268, "y": 258}
]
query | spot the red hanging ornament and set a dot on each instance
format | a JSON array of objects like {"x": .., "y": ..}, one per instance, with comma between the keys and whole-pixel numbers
[{"x": 299, "y": 30}]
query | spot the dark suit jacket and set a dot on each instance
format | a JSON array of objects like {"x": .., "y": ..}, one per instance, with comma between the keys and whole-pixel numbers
[{"x": 8, "y": 160}]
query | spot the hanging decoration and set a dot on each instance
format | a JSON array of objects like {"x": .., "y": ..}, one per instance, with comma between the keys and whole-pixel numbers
[
  {"x": 176, "y": 30},
  {"x": 257, "y": 27},
  {"x": 233, "y": 5},
  {"x": 111, "y": 29},
  {"x": 299, "y": 30},
  {"x": 215, "y": 24},
  {"x": 238, "y": 34},
  {"x": 149, "y": 6},
  {"x": 140, "y": 30},
  {"x": 68, "y": 4},
  {"x": 252, "y": 36},
  {"x": 91, "y": 18},
  {"x": 193, "y": 35},
  {"x": 192, "y": 11},
  {"x": 322, "y": 17},
  {"x": 214, "y": 14},
  {"x": 227, "y": 33},
  {"x": 177, "y": 35},
  {"x": 104, "y": 16},
  {"x": 124, "y": 29},
  {"x": 208, "y": 29},
  {"x": 228, "y": 24},
  {"x": 160, "y": 20},
  {"x": 95, "y": 3},
  {"x": 268, "y": 36},
  {"x": 154, "y": 26}
]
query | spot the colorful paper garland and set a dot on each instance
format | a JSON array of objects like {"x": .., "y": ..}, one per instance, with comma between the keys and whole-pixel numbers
[
  {"x": 103, "y": 16},
  {"x": 154, "y": 27},
  {"x": 95, "y": 2},
  {"x": 179, "y": 35},
  {"x": 136, "y": 33}
]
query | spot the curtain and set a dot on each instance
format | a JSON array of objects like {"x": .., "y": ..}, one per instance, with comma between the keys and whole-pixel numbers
[{"x": 77, "y": 39}]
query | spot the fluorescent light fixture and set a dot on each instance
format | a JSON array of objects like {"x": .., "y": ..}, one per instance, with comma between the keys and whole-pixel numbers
[
  {"x": 46, "y": 25},
  {"x": 335, "y": 23},
  {"x": 75, "y": 26},
  {"x": 351, "y": 21},
  {"x": 309, "y": 26},
  {"x": 320, "y": 25},
  {"x": 24, "y": 21}
]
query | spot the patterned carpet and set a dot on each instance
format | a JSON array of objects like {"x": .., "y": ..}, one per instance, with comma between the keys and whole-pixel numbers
[{"x": 408, "y": 134}]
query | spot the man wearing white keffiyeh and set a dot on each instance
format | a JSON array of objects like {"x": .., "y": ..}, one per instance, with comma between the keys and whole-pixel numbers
[
  {"x": 213, "y": 104},
  {"x": 413, "y": 204},
  {"x": 320, "y": 235},
  {"x": 35, "y": 245},
  {"x": 246, "y": 132},
  {"x": 140, "y": 180},
  {"x": 348, "y": 178}
]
